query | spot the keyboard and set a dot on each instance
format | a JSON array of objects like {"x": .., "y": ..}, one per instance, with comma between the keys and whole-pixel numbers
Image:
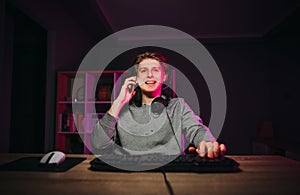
[{"x": 182, "y": 163}]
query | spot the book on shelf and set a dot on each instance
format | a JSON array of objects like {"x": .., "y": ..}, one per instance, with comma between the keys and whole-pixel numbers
[
  {"x": 92, "y": 119},
  {"x": 64, "y": 122},
  {"x": 76, "y": 89},
  {"x": 104, "y": 92},
  {"x": 60, "y": 122},
  {"x": 79, "y": 123},
  {"x": 70, "y": 122}
]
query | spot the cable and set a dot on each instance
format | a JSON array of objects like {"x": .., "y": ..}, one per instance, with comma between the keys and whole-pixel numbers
[
  {"x": 169, "y": 186},
  {"x": 180, "y": 151}
]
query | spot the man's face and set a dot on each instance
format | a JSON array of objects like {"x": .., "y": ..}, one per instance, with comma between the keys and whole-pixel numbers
[{"x": 150, "y": 75}]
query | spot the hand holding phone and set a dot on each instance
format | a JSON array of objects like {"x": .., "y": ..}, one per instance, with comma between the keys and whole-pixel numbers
[{"x": 125, "y": 95}]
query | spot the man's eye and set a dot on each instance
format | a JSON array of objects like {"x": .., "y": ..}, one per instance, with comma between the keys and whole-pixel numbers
[
  {"x": 142, "y": 70},
  {"x": 156, "y": 70}
]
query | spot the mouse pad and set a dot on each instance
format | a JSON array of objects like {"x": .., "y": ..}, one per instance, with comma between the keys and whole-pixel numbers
[{"x": 33, "y": 164}]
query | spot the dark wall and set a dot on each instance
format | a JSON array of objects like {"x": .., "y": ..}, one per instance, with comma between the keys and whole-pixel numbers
[
  {"x": 4, "y": 82},
  {"x": 246, "y": 72},
  {"x": 283, "y": 51},
  {"x": 285, "y": 90},
  {"x": 27, "y": 119},
  {"x": 244, "y": 66},
  {"x": 260, "y": 75},
  {"x": 66, "y": 42}
]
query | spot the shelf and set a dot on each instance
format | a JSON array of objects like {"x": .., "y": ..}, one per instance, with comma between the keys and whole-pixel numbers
[
  {"x": 99, "y": 102},
  {"x": 94, "y": 91},
  {"x": 70, "y": 102},
  {"x": 85, "y": 102},
  {"x": 73, "y": 133}
]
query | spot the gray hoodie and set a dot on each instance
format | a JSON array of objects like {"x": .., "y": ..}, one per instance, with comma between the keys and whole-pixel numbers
[{"x": 139, "y": 131}]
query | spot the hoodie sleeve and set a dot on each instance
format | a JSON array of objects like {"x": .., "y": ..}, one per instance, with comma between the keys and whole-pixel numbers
[
  {"x": 104, "y": 132},
  {"x": 193, "y": 127}
]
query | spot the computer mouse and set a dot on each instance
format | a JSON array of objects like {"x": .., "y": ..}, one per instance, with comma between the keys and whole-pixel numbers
[{"x": 54, "y": 157}]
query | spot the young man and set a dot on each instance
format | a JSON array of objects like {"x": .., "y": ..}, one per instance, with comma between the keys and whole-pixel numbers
[{"x": 140, "y": 130}]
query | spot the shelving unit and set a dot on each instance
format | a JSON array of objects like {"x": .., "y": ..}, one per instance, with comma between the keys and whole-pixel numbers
[{"x": 76, "y": 117}]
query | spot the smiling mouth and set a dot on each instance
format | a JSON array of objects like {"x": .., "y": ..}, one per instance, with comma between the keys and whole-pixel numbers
[{"x": 150, "y": 82}]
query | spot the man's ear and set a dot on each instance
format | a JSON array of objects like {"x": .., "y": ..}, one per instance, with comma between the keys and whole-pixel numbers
[{"x": 165, "y": 77}]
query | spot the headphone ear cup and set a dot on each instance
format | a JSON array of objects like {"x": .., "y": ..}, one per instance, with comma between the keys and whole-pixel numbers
[
  {"x": 137, "y": 98},
  {"x": 158, "y": 104}
]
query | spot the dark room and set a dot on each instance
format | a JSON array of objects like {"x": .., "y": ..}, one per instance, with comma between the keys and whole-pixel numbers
[{"x": 149, "y": 97}]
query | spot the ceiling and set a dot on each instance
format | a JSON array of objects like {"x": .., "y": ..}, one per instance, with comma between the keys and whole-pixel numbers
[
  {"x": 199, "y": 18},
  {"x": 211, "y": 19}
]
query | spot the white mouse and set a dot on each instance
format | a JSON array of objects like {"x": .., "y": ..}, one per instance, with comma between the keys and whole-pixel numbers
[{"x": 54, "y": 157}]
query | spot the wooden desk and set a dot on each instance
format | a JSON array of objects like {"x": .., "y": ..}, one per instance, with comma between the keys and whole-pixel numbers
[{"x": 260, "y": 175}]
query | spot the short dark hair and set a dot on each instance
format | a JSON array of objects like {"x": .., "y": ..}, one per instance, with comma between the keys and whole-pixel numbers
[
  {"x": 152, "y": 55},
  {"x": 166, "y": 91}
]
